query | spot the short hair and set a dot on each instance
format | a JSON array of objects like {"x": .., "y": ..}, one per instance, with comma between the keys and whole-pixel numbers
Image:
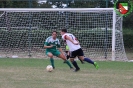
[
  {"x": 54, "y": 31},
  {"x": 64, "y": 30}
]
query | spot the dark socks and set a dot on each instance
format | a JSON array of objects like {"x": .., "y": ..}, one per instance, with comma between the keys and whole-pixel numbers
[
  {"x": 68, "y": 63},
  {"x": 75, "y": 65},
  {"x": 52, "y": 62},
  {"x": 67, "y": 57},
  {"x": 88, "y": 60}
]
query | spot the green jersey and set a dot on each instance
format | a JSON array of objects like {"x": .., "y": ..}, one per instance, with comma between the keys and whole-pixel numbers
[{"x": 50, "y": 41}]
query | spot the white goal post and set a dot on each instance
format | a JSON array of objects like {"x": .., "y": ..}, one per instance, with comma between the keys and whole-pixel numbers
[{"x": 98, "y": 29}]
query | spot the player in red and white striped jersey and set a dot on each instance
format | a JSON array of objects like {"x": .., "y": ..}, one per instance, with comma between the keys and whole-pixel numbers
[{"x": 75, "y": 49}]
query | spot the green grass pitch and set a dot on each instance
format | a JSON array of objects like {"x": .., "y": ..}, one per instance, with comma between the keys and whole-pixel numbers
[{"x": 31, "y": 73}]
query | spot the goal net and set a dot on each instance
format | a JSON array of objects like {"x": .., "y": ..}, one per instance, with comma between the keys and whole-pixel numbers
[{"x": 24, "y": 30}]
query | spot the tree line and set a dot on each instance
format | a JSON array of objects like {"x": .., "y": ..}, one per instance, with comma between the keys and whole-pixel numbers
[{"x": 127, "y": 21}]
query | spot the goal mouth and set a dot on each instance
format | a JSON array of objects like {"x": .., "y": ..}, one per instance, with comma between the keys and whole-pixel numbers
[{"x": 24, "y": 30}]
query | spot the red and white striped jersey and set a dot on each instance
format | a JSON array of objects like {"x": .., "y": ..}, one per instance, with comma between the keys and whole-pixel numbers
[{"x": 72, "y": 47}]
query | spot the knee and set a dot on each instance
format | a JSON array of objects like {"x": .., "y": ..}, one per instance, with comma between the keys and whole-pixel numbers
[
  {"x": 50, "y": 55},
  {"x": 81, "y": 58}
]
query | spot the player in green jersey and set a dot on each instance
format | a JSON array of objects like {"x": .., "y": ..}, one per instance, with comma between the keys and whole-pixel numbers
[{"x": 51, "y": 44}]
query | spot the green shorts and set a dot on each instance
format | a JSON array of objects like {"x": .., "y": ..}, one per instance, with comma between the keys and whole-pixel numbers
[{"x": 55, "y": 53}]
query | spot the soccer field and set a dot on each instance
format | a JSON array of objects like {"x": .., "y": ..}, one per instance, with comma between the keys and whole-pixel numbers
[{"x": 31, "y": 73}]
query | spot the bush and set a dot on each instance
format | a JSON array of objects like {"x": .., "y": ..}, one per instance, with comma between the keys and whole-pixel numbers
[
  {"x": 128, "y": 38},
  {"x": 21, "y": 38},
  {"x": 87, "y": 38}
]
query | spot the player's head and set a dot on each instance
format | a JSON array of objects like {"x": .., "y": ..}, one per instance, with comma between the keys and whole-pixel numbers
[
  {"x": 54, "y": 34},
  {"x": 63, "y": 31}
]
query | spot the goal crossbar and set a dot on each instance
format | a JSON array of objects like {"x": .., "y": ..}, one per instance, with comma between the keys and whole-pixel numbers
[{"x": 54, "y": 9}]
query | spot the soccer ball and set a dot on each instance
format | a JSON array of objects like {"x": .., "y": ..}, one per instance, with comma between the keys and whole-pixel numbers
[{"x": 49, "y": 68}]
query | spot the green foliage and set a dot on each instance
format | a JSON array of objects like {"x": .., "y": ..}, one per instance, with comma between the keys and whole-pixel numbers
[
  {"x": 21, "y": 38},
  {"x": 46, "y": 5},
  {"x": 128, "y": 38},
  {"x": 87, "y": 38},
  {"x": 128, "y": 21},
  {"x": 18, "y": 3}
]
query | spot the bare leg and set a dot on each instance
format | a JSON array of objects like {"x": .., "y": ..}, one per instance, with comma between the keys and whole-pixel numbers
[
  {"x": 81, "y": 60},
  {"x": 64, "y": 58}
]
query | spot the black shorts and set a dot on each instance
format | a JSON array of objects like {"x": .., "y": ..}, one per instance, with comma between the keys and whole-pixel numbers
[{"x": 75, "y": 53}]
